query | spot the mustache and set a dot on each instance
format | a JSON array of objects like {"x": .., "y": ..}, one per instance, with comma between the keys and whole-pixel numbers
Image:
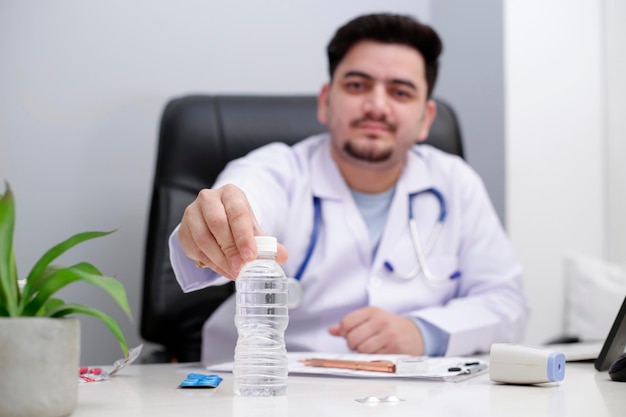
[{"x": 391, "y": 127}]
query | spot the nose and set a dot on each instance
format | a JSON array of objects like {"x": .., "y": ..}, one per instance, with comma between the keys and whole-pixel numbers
[{"x": 376, "y": 104}]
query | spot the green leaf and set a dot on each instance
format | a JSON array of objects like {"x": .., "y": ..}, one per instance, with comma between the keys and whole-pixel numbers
[
  {"x": 66, "y": 309},
  {"x": 29, "y": 289},
  {"x": 55, "y": 252},
  {"x": 9, "y": 293},
  {"x": 53, "y": 303},
  {"x": 33, "y": 286},
  {"x": 80, "y": 272}
]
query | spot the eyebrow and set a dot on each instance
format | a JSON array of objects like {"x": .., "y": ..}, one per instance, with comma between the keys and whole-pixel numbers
[{"x": 369, "y": 77}]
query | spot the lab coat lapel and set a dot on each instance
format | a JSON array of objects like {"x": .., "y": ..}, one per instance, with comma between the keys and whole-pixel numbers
[
  {"x": 330, "y": 186},
  {"x": 326, "y": 180}
]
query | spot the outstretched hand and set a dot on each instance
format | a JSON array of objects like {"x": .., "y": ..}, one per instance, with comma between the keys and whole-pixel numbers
[{"x": 217, "y": 231}]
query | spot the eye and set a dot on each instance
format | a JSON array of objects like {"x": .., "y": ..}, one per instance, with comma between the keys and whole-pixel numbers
[
  {"x": 354, "y": 86},
  {"x": 402, "y": 94}
]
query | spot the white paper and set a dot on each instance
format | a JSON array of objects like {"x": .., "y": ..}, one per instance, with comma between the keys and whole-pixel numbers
[{"x": 437, "y": 369}]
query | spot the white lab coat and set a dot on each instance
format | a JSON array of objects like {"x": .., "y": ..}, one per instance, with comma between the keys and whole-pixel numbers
[{"x": 485, "y": 305}]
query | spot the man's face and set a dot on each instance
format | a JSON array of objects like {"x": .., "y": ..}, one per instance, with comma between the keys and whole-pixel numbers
[{"x": 375, "y": 108}]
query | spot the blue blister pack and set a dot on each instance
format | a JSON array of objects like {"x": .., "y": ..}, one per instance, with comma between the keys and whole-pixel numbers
[{"x": 201, "y": 381}]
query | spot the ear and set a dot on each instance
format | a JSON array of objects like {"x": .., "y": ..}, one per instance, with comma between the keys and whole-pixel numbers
[
  {"x": 322, "y": 104},
  {"x": 430, "y": 112}
]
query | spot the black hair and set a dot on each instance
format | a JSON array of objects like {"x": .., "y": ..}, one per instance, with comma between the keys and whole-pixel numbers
[{"x": 392, "y": 29}]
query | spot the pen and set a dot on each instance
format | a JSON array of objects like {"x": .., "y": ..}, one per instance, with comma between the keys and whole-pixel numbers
[
  {"x": 469, "y": 368},
  {"x": 375, "y": 366},
  {"x": 475, "y": 368}
]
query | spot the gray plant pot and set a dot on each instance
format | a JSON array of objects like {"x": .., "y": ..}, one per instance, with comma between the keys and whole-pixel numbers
[{"x": 39, "y": 360}]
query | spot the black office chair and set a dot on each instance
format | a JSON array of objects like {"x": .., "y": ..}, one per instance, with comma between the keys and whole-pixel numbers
[{"x": 199, "y": 134}]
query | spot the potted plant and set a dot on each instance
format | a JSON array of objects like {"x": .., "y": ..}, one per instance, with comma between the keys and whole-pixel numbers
[{"x": 39, "y": 343}]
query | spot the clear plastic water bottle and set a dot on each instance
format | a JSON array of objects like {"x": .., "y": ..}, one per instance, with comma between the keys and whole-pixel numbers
[{"x": 261, "y": 318}]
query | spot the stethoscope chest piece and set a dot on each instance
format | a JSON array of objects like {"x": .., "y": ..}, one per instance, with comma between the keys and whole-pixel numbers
[{"x": 294, "y": 293}]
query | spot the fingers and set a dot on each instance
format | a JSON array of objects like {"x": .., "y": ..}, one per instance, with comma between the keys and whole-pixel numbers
[
  {"x": 359, "y": 328},
  {"x": 235, "y": 231},
  {"x": 281, "y": 256},
  {"x": 217, "y": 230},
  {"x": 373, "y": 330}
]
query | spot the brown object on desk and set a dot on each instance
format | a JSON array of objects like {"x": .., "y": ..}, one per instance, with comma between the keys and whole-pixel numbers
[{"x": 375, "y": 366}]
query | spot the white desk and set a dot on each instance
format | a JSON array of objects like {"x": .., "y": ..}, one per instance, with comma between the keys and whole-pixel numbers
[{"x": 151, "y": 390}]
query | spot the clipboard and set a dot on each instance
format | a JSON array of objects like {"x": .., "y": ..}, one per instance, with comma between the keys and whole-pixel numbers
[{"x": 445, "y": 369}]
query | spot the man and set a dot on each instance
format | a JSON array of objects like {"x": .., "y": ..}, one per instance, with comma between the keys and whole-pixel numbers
[{"x": 357, "y": 179}]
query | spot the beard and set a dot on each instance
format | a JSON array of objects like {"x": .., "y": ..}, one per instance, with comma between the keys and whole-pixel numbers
[{"x": 367, "y": 153}]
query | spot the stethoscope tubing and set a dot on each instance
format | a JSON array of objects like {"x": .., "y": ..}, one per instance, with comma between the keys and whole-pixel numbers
[
  {"x": 317, "y": 221},
  {"x": 420, "y": 254}
]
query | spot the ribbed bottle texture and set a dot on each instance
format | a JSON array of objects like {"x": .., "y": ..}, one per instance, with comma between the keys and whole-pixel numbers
[{"x": 261, "y": 318}]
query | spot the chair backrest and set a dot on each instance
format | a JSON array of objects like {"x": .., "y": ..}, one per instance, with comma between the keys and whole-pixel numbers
[{"x": 199, "y": 135}]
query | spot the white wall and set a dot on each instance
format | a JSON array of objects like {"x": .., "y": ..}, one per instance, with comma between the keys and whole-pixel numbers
[
  {"x": 471, "y": 78},
  {"x": 556, "y": 138},
  {"x": 614, "y": 17},
  {"x": 83, "y": 85}
]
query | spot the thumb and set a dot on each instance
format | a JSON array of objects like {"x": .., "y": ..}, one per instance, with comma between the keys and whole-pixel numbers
[{"x": 282, "y": 255}]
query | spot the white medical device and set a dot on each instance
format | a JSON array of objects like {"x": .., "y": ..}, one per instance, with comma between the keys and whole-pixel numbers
[{"x": 519, "y": 364}]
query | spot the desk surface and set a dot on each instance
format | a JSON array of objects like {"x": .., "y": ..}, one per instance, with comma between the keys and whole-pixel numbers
[{"x": 151, "y": 390}]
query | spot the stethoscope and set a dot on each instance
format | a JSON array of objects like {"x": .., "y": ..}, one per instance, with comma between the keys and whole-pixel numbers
[
  {"x": 419, "y": 253},
  {"x": 295, "y": 287}
]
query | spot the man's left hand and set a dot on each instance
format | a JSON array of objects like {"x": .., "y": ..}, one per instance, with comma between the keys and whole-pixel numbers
[{"x": 373, "y": 330}]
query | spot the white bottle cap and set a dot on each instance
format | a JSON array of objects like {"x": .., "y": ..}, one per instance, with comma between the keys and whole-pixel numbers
[{"x": 266, "y": 244}]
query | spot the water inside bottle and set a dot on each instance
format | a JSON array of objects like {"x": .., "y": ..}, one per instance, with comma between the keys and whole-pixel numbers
[{"x": 261, "y": 318}]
